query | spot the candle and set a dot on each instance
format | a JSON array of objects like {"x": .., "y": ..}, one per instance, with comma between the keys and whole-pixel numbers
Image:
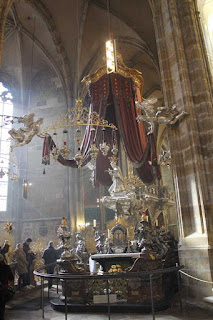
[
  {"x": 108, "y": 233},
  {"x": 94, "y": 223},
  {"x": 156, "y": 223}
]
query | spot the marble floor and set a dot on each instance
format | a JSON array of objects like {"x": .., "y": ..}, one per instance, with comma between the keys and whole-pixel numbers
[
  {"x": 26, "y": 306},
  {"x": 50, "y": 314}
]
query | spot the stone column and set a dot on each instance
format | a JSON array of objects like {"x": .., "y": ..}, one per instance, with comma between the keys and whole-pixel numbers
[
  {"x": 76, "y": 191},
  {"x": 186, "y": 82}
]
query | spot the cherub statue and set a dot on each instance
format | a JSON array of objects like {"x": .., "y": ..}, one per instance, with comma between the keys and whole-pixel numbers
[
  {"x": 24, "y": 135},
  {"x": 100, "y": 239},
  {"x": 108, "y": 246}
]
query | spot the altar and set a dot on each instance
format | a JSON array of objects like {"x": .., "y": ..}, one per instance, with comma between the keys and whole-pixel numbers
[{"x": 125, "y": 260}]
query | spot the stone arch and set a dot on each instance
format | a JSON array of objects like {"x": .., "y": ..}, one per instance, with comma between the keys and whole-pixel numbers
[
  {"x": 141, "y": 45},
  {"x": 4, "y": 9},
  {"x": 51, "y": 26}
]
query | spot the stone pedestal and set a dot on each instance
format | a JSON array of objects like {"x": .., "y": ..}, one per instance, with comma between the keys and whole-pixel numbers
[{"x": 187, "y": 83}]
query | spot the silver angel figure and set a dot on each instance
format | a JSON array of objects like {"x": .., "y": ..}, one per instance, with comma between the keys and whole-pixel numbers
[
  {"x": 152, "y": 114},
  {"x": 117, "y": 179},
  {"x": 25, "y": 134}
]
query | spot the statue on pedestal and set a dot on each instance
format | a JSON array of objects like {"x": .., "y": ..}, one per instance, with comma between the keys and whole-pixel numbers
[
  {"x": 100, "y": 239},
  {"x": 81, "y": 252},
  {"x": 68, "y": 261}
]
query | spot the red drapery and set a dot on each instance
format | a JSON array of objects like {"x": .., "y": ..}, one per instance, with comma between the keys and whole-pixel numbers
[{"x": 113, "y": 98}]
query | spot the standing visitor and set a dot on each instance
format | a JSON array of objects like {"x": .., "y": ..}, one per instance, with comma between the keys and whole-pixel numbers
[
  {"x": 50, "y": 255},
  {"x": 22, "y": 264},
  {"x": 30, "y": 256},
  {"x": 5, "y": 276}
]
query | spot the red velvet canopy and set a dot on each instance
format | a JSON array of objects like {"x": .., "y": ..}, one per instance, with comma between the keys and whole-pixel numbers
[{"x": 113, "y": 98}]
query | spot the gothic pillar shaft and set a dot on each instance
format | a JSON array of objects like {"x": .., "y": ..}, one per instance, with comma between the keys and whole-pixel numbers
[
  {"x": 76, "y": 188},
  {"x": 186, "y": 83}
]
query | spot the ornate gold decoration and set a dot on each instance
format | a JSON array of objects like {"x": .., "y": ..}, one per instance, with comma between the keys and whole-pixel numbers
[
  {"x": 79, "y": 116},
  {"x": 68, "y": 262},
  {"x": 9, "y": 227},
  {"x": 122, "y": 70},
  {"x": 38, "y": 248},
  {"x": 132, "y": 182}
]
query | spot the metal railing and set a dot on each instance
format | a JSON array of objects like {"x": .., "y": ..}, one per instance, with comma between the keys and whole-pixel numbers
[{"x": 145, "y": 275}]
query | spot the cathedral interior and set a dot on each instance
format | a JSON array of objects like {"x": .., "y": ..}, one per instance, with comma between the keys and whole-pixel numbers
[{"x": 107, "y": 135}]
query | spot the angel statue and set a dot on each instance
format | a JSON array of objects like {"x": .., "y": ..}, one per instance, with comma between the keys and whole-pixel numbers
[
  {"x": 28, "y": 121},
  {"x": 117, "y": 185},
  {"x": 171, "y": 115},
  {"x": 148, "y": 112},
  {"x": 152, "y": 114},
  {"x": 24, "y": 135}
]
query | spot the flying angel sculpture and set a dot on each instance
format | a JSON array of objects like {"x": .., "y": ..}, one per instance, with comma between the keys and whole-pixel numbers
[{"x": 25, "y": 134}]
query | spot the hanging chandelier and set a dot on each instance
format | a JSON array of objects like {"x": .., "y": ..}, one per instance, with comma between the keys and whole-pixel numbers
[
  {"x": 80, "y": 117},
  {"x": 8, "y": 167}
]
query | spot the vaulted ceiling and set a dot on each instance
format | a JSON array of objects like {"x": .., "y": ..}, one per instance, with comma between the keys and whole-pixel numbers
[{"x": 69, "y": 37}]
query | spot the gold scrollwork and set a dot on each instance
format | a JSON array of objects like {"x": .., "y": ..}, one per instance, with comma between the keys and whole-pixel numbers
[
  {"x": 122, "y": 70},
  {"x": 79, "y": 116}
]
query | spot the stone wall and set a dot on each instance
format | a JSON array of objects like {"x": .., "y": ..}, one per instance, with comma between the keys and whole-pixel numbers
[
  {"x": 186, "y": 81},
  {"x": 48, "y": 196}
]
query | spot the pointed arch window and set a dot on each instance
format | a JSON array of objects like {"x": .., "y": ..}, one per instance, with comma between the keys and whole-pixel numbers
[{"x": 6, "y": 109}]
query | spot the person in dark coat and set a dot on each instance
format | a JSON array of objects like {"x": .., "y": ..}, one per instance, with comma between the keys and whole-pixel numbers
[
  {"x": 50, "y": 255},
  {"x": 5, "y": 276},
  {"x": 30, "y": 256},
  {"x": 5, "y": 248}
]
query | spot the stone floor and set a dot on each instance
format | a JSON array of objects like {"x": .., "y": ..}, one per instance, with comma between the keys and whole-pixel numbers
[{"x": 26, "y": 306}]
